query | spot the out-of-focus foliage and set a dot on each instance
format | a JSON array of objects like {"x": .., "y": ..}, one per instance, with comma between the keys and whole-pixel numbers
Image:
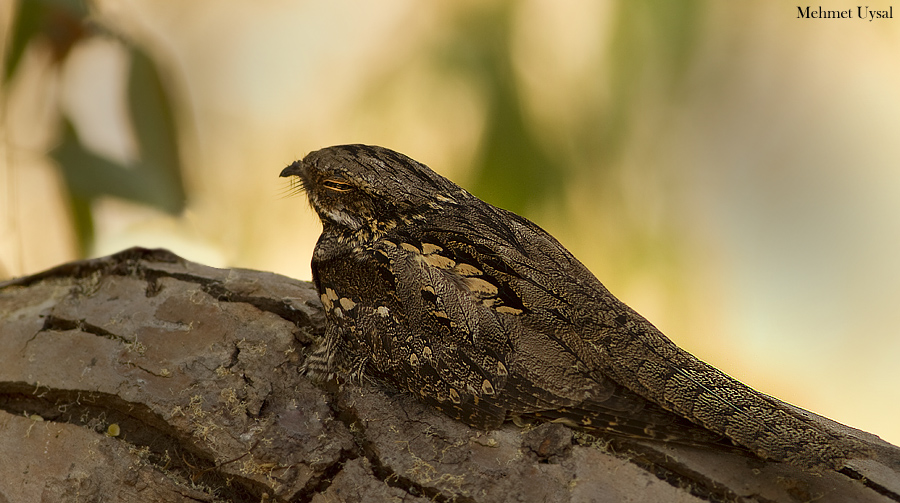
[
  {"x": 651, "y": 39},
  {"x": 512, "y": 170},
  {"x": 61, "y": 22},
  {"x": 155, "y": 177},
  {"x": 514, "y": 167},
  {"x": 645, "y": 54}
]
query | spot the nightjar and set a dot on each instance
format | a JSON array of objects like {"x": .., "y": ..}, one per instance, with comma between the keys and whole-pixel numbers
[{"x": 486, "y": 317}]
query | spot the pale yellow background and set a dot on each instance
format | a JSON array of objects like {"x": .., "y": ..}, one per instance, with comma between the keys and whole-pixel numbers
[{"x": 756, "y": 217}]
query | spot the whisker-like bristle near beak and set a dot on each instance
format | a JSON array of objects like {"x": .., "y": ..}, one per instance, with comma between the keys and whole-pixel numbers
[{"x": 295, "y": 187}]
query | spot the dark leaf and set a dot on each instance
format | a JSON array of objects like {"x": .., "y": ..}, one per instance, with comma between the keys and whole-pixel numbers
[
  {"x": 511, "y": 155},
  {"x": 62, "y": 22},
  {"x": 154, "y": 125},
  {"x": 89, "y": 175}
]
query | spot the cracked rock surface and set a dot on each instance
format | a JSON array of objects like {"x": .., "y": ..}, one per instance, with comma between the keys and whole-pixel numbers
[{"x": 145, "y": 377}]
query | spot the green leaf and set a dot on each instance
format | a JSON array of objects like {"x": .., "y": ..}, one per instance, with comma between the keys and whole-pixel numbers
[
  {"x": 154, "y": 179},
  {"x": 26, "y": 24},
  {"x": 89, "y": 175},
  {"x": 154, "y": 125},
  {"x": 83, "y": 222},
  {"x": 511, "y": 170}
]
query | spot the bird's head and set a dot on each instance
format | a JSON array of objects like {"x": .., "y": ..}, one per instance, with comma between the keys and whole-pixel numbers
[{"x": 369, "y": 188}]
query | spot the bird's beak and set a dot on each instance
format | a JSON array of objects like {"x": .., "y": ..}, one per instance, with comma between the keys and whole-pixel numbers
[{"x": 295, "y": 169}]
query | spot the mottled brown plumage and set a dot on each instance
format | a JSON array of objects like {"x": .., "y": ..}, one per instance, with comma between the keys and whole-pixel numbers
[{"x": 485, "y": 316}]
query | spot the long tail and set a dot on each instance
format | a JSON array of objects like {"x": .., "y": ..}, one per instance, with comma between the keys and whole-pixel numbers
[{"x": 650, "y": 364}]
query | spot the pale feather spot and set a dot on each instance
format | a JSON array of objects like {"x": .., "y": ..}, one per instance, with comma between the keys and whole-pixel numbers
[
  {"x": 426, "y": 352},
  {"x": 439, "y": 261},
  {"x": 480, "y": 287},
  {"x": 501, "y": 369},
  {"x": 413, "y": 360},
  {"x": 428, "y": 248},
  {"x": 383, "y": 311},
  {"x": 409, "y": 247},
  {"x": 508, "y": 310},
  {"x": 487, "y": 388},
  {"x": 454, "y": 396},
  {"x": 566, "y": 421},
  {"x": 338, "y": 313},
  {"x": 331, "y": 294},
  {"x": 467, "y": 270},
  {"x": 347, "y": 304},
  {"x": 326, "y": 301}
]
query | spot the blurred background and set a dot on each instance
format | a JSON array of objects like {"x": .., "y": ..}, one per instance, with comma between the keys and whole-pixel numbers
[{"x": 729, "y": 170}]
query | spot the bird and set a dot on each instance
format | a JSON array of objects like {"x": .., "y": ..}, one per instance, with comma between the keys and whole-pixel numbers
[{"x": 483, "y": 315}]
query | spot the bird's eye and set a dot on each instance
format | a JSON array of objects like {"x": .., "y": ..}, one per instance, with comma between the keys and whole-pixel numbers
[{"x": 336, "y": 185}]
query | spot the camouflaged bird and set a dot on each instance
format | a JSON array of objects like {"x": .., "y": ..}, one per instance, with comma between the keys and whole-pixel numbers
[{"x": 485, "y": 316}]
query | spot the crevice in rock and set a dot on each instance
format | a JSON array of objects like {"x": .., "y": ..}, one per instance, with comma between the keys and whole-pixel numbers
[
  {"x": 140, "y": 427},
  {"x": 321, "y": 482},
  {"x": 217, "y": 290},
  {"x": 393, "y": 479},
  {"x": 880, "y": 489},
  {"x": 122, "y": 262},
  {"x": 132, "y": 263},
  {"x": 385, "y": 473},
  {"x": 233, "y": 360},
  {"x": 56, "y": 323},
  {"x": 676, "y": 474}
]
